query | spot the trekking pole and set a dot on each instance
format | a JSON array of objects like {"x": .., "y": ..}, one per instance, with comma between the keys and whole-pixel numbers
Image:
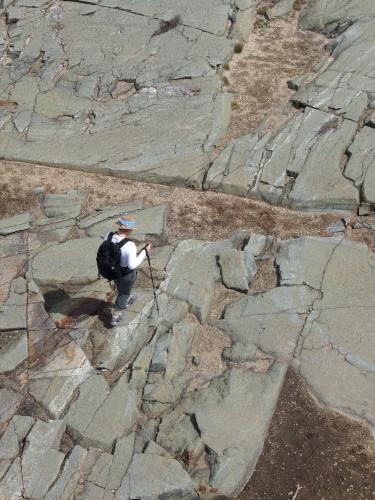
[{"x": 152, "y": 280}]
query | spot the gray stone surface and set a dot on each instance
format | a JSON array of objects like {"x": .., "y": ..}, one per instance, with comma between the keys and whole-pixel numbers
[
  {"x": 13, "y": 224},
  {"x": 57, "y": 366},
  {"x": 237, "y": 269},
  {"x": 309, "y": 149},
  {"x": 92, "y": 393},
  {"x": 256, "y": 244},
  {"x": 100, "y": 470},
  {"x": 266, "y": 324},
  {"x": 68, "y": 264},
  {"x": 13, "y": 310},
  {"x": 152, "y": 476},
  {"x": 281, "y": 8},
  {"x": 238, "y": 397},
  {"x": 361, "y": 165},
  {"x": 72, "y": 472},
  {"x": 41, "y": 460},
  {"x": 107, "y": 213},
  {"x": 328, "y": 15},
  {"x": 12, "y": 245},
  {"x": 121, "y": 460},
  {"x": 94, "y": 88},
  {"x": 192, "y": 272},
  {"x": 151, "y": 223},
  {"x": 10, "y": 401},
  {"x": 337, "y": 353},
  {"x": 303, "y": 261},
  {"x": 13, "y": 353},
  {"x": 63, "y": 205},
  {"x": 12, "y": 484},
  {"x": 113, "y": 419},
  {"x": 173, "y": 382},
  {"x": 130, "y": 334},
  {"x": 16, "y": 431}
]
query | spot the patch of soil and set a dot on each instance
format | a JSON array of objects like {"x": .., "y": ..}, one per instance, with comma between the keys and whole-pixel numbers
[
  {"x": 326, "y": 455},
  {"x": 192, "y": 214},
  {"x": 276, "y": 51},
  {"x": 31, "y": 408},
  {"x": 206, "y": 361},
  {"x": 222, "y": 297},
  {"x": 266, "y": 276}
]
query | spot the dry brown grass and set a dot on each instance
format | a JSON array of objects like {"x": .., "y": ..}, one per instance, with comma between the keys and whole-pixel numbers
[
  {"x": 192, "y": 214},
  {"x": 275, "y": 52}
]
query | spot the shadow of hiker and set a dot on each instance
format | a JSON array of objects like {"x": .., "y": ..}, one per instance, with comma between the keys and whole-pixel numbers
[{"x": 67, "y": 308}]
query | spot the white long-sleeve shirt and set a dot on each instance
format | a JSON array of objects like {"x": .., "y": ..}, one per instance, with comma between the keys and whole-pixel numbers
[{"x": 129, "y": 257}]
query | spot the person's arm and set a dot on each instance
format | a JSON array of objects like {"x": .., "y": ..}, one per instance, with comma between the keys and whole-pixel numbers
[{"x": 134, "y": 260}]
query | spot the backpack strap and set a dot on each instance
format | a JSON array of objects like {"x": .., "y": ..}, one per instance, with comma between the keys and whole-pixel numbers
[
  {"x": 122, "y": 242},
  {"x": 110, "y": 236}
]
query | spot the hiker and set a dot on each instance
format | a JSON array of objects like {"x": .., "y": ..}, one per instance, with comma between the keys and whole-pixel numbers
[{"x": 129, "y": 261}]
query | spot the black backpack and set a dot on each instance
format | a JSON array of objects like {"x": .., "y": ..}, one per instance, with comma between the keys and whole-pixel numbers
[{"x": 108, "y": 258}]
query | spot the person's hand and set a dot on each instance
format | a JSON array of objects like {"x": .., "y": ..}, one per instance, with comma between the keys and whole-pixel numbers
[{"x": 148, "y": 246}]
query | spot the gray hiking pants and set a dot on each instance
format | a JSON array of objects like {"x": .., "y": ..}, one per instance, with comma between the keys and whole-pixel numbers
[{"x": 124, "y": 286}]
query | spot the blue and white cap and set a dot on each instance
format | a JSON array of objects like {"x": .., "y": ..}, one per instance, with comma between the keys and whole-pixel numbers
[{"x": 125, "y": 223}]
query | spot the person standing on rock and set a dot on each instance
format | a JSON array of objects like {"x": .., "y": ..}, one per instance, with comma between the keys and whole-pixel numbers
[{"x": 129, "y": 261}]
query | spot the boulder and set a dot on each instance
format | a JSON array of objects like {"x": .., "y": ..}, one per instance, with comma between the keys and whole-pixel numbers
[
  {"x": 14, "y": 352},
  {"x": 11, "y": 485},
  {"x": 13, "y": 311},
  {"x": 10, "y": 402},
  {"x": 130, "y": 334},
  {"x": 361, "y": 165},
  {"x": 192, "y": 272},
  {"x": 57, "y": 366},
  {"x": 41, "y": 460},
  {"x": 63, "y": 205},
  {"x": 121, "y": 459},
  {"x": 92, "y": 393},
  {"x": 64, "y": 487},
  {"x": 114, "y": 418},
  {"x": 14, "y": 224},
  {"x": 237, "y": 269},
  {"x": 67, "y": 264},
  {"x": 256, "y": 244},
  {"x": 303, "y": 261},
  {"x": 152, "y": 476},
  {"x": 111, "y": 212},
  {"x": 16, "y": 432},
  {"x": 281, "y": 8}
]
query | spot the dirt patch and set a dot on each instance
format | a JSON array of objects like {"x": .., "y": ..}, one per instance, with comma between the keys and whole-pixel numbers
[
  {"x": 31, "y": 408},
  {"x": 266, "y": 276},
  {"x": 206, "y": 362},
  {"x": 222, "y": 297},
  {"x": 192, "y": 214},
  {"x": 275, "y": 52},
  {"x": 325, "y": 454}
]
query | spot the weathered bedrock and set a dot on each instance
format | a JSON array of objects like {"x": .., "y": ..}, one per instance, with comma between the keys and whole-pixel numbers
[
  {"x": 124, "y": 88},
  {"x": 133, "y": 89},
  {"x": 143, "y": 413},
  {"x": 324, "y": 156}
]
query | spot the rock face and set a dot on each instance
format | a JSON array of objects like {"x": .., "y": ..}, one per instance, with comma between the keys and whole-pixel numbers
[
  {"x": 169, "y": 403},
  {"x": 93, "y": 85},
  {"x": 301, "y": 165},
  {"x": 72, "y": 262},
  {"x": 155, "y": 396},
  {"x": 304, "y": 159}
]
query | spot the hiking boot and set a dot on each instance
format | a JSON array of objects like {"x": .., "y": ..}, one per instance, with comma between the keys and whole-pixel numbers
[
  {"x": 132, "y": 299},
  {"x": 116, "y": 319}
]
